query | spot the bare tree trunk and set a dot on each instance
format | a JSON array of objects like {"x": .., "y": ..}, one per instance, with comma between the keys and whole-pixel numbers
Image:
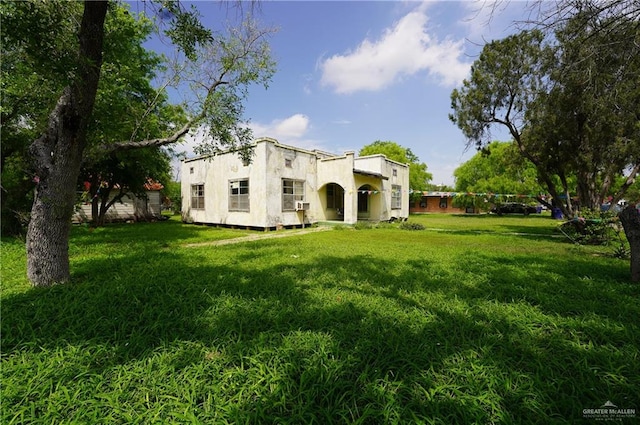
[
  {"x": 57, "y": 156},
  {"x": 630, "y": 219},
  {"x": 48, "y": 231},
  {"x": 104, "y": 207},
  {"x": 95, "y": 210}
]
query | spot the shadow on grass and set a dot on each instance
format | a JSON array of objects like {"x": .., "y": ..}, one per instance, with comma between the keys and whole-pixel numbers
[
  {"x": 535, "y": 227},
  {"x": 151, "y": 234},
  {"x": 329, "y": 339}
]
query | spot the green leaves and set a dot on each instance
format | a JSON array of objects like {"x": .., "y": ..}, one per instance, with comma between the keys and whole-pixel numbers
[
  {"x": 499, "y": 168},
  {"x": 418, "y": 175},
  {"x": 503, "y": 81},
  {"x": 186, "y": 31},
  {"x": 571, "y": 105}
]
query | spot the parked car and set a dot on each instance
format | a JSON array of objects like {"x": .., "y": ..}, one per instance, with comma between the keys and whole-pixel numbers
[{"x": 514, "y": 208}]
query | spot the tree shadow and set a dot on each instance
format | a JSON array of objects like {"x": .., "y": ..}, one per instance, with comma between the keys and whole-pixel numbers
[{"x": 354, "y": 339}]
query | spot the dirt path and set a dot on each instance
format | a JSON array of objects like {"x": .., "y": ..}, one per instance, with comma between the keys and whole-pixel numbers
[{"x": 260, "y": 236}]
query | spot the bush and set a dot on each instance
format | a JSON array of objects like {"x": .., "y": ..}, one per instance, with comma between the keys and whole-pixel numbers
[
  {"x": 363, "y": 225},
  {"x": 406, "y": 225},
  {"x": 593, "y": 228}
]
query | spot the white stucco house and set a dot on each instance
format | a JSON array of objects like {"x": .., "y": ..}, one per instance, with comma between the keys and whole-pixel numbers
[{"x": 285, "y": 186}]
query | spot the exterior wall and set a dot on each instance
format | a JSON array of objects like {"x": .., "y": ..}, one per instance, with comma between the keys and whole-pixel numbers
[
  {"x": 152, "y": 205},
  {"x": 392, "y": 173},
  {"x": 215, "y": 173},
  {"x": 431, "y": 204},
  {"x": 272, "y": 162},
  {"x": 375, "y": 171},
  {"x": 295, "y": 164}
]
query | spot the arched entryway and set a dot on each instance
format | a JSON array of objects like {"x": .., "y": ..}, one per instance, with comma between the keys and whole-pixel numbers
[{"x": 334, "y": 202}]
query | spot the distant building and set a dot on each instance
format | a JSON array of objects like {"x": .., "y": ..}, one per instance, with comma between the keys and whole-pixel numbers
[
  {"x": 288, "y": 186},
  {"x": 129, "y": 208},
  {"x": 438, "y": 202}
]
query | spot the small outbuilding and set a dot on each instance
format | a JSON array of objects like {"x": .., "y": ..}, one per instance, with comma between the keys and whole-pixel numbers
[{"x": 129, "y": 208}]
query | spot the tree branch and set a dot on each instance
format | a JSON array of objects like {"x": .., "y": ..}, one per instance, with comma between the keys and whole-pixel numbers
[
  {"x": 631, "y": 178},
  {"x": 123, "y": 146}
]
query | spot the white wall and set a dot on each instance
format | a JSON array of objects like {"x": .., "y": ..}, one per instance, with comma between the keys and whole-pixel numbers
[
  {"x": 273, "y": 162},
  {"x": 270, "y": 164}
]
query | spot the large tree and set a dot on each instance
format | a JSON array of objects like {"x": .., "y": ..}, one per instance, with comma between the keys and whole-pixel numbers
[
  {"x": 505, "y": 80},
  {"x": 419, "y": 177},
  {"x": 572, "y": 106},
  {"x": 124, "y": 95},
  {"x": 217, "y": 68},
  {"x": 498, "y": 169}
]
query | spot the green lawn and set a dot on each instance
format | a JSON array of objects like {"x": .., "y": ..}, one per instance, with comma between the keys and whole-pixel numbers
[{"x": 474, "y": 320}]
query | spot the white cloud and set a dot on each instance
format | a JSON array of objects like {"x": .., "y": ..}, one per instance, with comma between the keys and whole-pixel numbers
[
  {"x": 293, "y": 127},
  {"x": 293, "y": 130},
  {"x": 405, "y": 49}
]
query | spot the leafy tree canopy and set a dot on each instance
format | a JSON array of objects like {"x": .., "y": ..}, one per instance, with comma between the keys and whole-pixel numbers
[
  {"x": 571, "y": 105},
  {"x": 75, "y": 76},
  {"x": 419, "y": 177},
  {"x": 498, "y": 169},
  {"x": 126, "y": 106}
]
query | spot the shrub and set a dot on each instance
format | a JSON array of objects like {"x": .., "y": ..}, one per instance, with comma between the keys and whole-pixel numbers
[
  {"x": 597, "y": 228},
  {"x": 363, "y": 225},
  {"x": 407, "y": 225}
]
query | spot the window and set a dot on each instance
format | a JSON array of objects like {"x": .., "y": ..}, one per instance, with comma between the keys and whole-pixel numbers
[
  {"x": 287, "y": 163},
  {"x": 190, "y": 170},
  {"x": 292, "y": 191},
  {"x": 239, "y": 195},
  {"x": 395, "y": 172},
  {"x": 443, "y": 202},
  {"x": 396, "y": 197},
  {"x": 197, "y": 196}
]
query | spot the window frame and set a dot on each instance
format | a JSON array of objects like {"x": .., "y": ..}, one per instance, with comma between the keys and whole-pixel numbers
[
  {"x": 289, "y": 198},
  {"x": 240, "y": 200},
  {"x": 396, "y": 197},
  {"x": 197, "y": 196}
]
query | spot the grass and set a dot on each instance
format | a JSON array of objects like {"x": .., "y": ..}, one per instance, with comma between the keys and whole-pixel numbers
[{"x": 474, "y": 320}]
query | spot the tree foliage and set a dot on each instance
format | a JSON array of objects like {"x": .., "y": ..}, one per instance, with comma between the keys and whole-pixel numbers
[
  {"x": 571, "y": 105},
  {"x": 118, "y": 174},
  {"x": 587, "y": 123},
  {"x": 126, "y": 104},
  {"x": 419, "y": 177},
  {"x": 75, "y": 52},
  {"x": 497, "y": 169}
]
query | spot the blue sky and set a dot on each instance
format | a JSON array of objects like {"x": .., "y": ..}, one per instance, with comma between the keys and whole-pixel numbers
[{"x": 351, "y": 73}]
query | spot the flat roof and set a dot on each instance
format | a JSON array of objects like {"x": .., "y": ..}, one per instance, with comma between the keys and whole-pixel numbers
[{"x": 369, "y": 174}]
